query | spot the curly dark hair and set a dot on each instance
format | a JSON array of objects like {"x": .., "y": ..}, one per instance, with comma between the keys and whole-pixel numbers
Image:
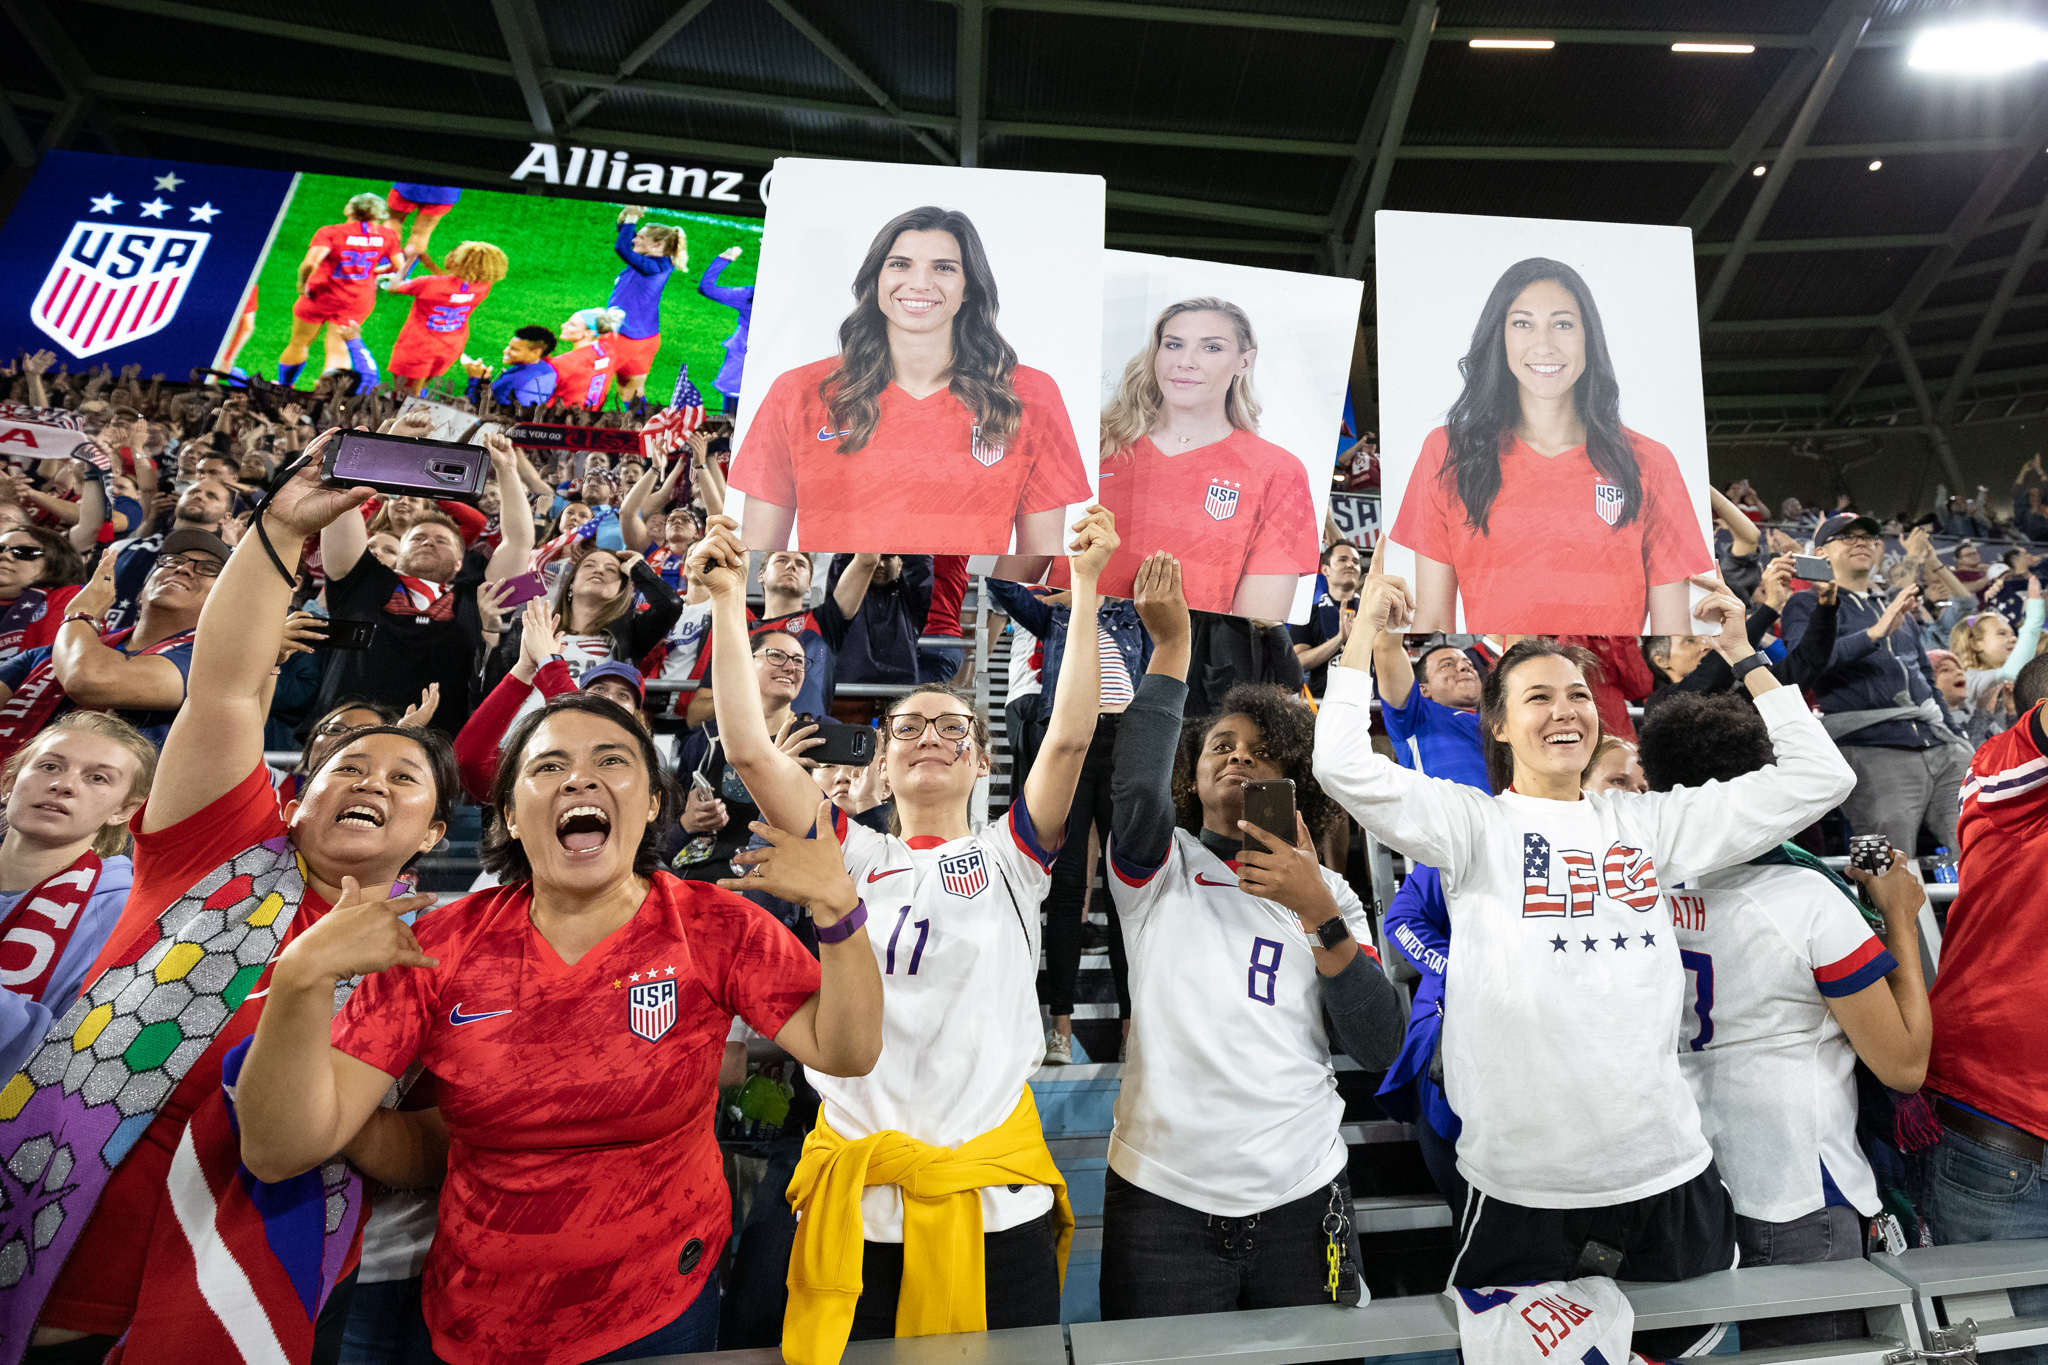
[
  {"x": 505, "y": 856},
  {"x": 1692, "y": 740},
  {"x": 1493, "y": 699},
  {"x": 1289, "y": 729}
]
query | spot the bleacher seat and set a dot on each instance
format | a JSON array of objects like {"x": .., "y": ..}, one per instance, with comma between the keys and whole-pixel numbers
[{"x": 1954, "y": 1283}]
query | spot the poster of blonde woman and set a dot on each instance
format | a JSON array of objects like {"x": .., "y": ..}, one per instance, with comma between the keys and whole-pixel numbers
[
  {"x": 922, "y": 363},
  {"x": 1542, "y": 424}
]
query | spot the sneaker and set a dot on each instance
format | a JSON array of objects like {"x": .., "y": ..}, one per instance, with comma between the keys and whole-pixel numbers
[{"x": 1059, "y": 1048}]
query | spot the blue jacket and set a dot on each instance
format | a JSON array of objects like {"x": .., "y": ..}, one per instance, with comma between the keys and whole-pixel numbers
[
  {"x": 1869, "y": 675},
  {"x": 1117, "y": 615},
  {"x": 740, "y": 297},
  {"x": 1419, "y": 927},
  {"x": 637, "y": 288}
]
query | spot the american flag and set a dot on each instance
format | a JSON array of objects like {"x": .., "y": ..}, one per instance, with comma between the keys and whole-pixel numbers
[
  {"x": 665, "y": 431},
  {"x": 1537, "y": 902},
  {"x": 964, "y": 874}
]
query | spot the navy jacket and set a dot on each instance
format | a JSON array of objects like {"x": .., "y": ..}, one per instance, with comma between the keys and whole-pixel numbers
[
  {"x": 1117, "y": 615},
  {"x": 881, "y": 638},
  {"x": 1868, "y": 675}
]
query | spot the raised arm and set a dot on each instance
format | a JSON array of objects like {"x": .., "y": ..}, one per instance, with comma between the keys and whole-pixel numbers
[
  {"x": 855, "y": 577},
  {"x": 633, "y": 509},
  {"x": 515, "y": 533},
  {"x": 707, "y": 477},
  {"x": 2029, "y": 642},
  {"x": 1049, "y": 791},
  {"x": 1141, "y": 778},
  {"x": 217, "y": 739},
  {"x": 1889, "y": 1022},
  {"x": 1742, "y": 532},
  {"x": 98, "y": 676}
]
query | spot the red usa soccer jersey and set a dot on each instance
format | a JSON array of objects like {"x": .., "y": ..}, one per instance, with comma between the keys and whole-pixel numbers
[
  {"x": 955, "y": 931},
  {"x": 1240, "y": 506},
  {"x": 582, "y": 1167},
  {"x": 441, "y": 305},
  {"x": 1553, "y": 559},
  {"x": 1990, "y": 1030},
  {"x": 924, "y": 484},
  {"x": 346, "y": 282},
  {"x": 583, "y": 376}
]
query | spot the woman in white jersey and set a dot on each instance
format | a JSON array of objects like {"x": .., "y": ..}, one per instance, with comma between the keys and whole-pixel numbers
[
  {"x": 1581, "y": 1143},
  {"x": 1226, "y": 1160},
  {"x": 898, "y": 1236}
]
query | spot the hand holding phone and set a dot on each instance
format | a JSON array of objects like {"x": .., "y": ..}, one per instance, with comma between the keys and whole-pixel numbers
[{"x": 1813, "y": 568}]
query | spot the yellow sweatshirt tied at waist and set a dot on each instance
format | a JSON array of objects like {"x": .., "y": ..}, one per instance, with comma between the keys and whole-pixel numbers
[{"x": 943, "y": 1275}]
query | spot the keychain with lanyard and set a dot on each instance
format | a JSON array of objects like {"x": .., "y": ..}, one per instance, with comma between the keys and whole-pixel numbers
[{"x": 1343, "y": 1283}]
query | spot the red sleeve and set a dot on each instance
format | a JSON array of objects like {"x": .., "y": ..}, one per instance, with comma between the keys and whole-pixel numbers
[
  {"x": 476, "y": 746},
  {"x": 1673, "y": 546},
  {"x": 949, "y": 589},
  {"x": 769, "y": 974},
  {"x": 1058, "y": 478},
  {"x": 554, "y": 679},
  {"x": 386, "y": 1018},
  {"x": 408, "y": 286},
  {"x": 1423, "y": 524},
  {"x": 170, "y": 861},
  {"x": 764, "y": 467},
  {"x": 470, "y": 520},
  {"x": 1285, "y": 541}
]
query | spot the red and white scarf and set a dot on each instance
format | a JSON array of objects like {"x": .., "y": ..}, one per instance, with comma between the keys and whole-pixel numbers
[
  {"x": 38, "y": 697},
  {"x": 422, "y": 598},
  {"x": 36, "y": 932}
]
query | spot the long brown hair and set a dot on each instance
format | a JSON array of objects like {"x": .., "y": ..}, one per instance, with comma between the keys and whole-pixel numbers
[
  {"x": 984, "y": 365},
  {"x": 1493, "y": 699},
  {"x": 614, "y": 608},
  {"x": 1131, "y": 413}
]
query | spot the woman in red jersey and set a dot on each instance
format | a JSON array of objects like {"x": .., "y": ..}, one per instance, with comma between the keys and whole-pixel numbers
[
  {"x": 438, "y": 326},
  {"x": 338, "y": 283},
  {"x": 1183, "y": 469},
  {"x": 572, "y": 1021},
  {"x": 1533, "y": 503},
  {"x": 583, "y": 373},
  {"x": 923, "y": 435}
]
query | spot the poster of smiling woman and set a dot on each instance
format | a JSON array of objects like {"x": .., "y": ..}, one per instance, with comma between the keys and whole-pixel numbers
[
  {"x": 922, "y": 366},
  {"x": 1543, "y": 428}
]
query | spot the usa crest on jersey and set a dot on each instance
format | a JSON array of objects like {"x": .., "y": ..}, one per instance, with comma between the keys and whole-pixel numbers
[
  {"x": 1221, "y": 503},
  {"x": 111, "y": 285},
  {"x": 985, "y": 453},
  {"x": 964, "y": 874},
  {"x": 1607, "y": 501},
  {"x": 651, "y": 1009}
]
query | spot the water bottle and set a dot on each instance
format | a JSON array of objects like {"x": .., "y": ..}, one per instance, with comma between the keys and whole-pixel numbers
[{"x": 1944, "y": 866}]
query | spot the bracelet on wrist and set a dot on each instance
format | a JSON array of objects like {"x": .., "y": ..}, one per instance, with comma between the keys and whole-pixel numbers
[
  {"x": 846, "y": 926},
  {"x": 88, "y": 617}
]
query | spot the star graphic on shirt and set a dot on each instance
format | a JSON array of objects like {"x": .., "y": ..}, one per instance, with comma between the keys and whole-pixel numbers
[
  {"x": 633, "y": 977},
  {"x": 204, "y": 213},
  {"x": 1620, "y": 941},
  {"x": 169, "y": 181},
  {"x": 616, "y": 983},
  {"x": 671, "y": 971},
  {"x": 106, "y": 203},
  {"x": 1649, "y": 940},
  {"x": 155, "y": 208},
  {"x": 1557, "y": 945},
  {"x": 1591, "y": 945}
]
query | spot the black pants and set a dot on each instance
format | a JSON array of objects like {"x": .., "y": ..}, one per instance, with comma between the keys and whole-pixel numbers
[
  {"x": 1163, "y": 1259},
  {"x": 1020, "y": 732},
  {"x": 1021, "y": 1275},
  {"x": 757, "y": 1289},
  {"x": 1831, "y": 1234},
  {"x": 1682, "y": 1233},
  {"x": 1068, "y": 893}
]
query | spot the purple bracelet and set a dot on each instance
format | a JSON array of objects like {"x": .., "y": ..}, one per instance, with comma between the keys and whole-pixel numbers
[{"x": 845, "y": 928}]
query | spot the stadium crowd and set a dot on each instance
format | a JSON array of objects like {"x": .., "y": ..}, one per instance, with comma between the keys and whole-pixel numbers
[{"x": 1654, "y": 1028}]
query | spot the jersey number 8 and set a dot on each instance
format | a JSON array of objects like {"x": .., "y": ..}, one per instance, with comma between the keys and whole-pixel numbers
[{"x": 1265, "y": 969}]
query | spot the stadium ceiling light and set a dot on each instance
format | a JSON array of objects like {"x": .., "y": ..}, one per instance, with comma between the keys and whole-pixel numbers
[
  {"x": 1758, "y": 170},
  {"x": 1528, "y": 44},
  {"x": 1978, "y": 49},
  {"x": 1877, "y": 165},
  {"x": 1737, "y": 48}
]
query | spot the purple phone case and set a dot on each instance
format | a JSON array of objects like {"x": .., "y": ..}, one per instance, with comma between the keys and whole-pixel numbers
[{"x": 409, "y": 466}]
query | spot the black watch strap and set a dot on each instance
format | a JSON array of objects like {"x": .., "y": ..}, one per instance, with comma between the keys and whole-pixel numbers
[
  {"x": 1751, "y": 665},
  {"x": 1332, "y": 932}
]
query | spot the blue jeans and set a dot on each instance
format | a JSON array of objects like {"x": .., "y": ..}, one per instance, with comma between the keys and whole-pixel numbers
[
  {"x": 1971, "y": 1193},
  {"x": 759, "y": 1292},
  {"x": 385, "y": 1326}
]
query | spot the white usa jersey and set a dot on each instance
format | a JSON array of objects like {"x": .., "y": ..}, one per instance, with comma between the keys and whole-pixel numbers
[
  {"x": 1557, "y": 1322},
  {"x": 1229, "y": 1102},
  {"x": 1765, "y": 949},
  {"x": 955, "y": 931}
]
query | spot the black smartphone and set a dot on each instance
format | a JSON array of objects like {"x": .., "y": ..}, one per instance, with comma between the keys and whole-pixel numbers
[
  {"x": 850, "y": 746},
  {"x": 1813, "y": 568},
  {"x": 1270, "y": 807},
  {"x": 350, "y": 634},
  {"x": 410, "y": 466}
]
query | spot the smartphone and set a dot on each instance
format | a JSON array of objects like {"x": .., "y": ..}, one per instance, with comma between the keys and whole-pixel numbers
[
  {"x": 1813, "y": 568},
  {"x": 524, "y": 588},
  {"x": 850, "y": 746},
  {"x": 410, "y": 466},
  {"x": 1270, "y": 806},
  {"x": 350, "y": 634},
  {"x": 1870, "y": 852}
]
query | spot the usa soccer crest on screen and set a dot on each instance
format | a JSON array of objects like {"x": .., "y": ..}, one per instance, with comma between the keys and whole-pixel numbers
[{"x": 964, "y": 874}]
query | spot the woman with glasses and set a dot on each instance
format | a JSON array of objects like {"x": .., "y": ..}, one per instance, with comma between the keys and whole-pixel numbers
[
  {"x": 40, "y": 573},
  {"x": 977, "y": 1239}
]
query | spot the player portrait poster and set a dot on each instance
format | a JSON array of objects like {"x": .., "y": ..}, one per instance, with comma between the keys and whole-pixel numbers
[
  {"x": 1220, "y": 387},
  {"x": 922, "y": 364},
  {"x": 1543, "y": 431}
]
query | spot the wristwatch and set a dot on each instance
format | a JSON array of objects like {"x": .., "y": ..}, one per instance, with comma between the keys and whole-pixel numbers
[
  {"x": 1332, "y": 932},
  {"x": 1751, "y": 665}
]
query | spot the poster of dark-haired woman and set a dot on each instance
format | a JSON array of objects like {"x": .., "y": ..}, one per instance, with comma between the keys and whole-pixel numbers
[
  {"x": 1543, "y": 426},
  {"x": 923, "y": 361}
]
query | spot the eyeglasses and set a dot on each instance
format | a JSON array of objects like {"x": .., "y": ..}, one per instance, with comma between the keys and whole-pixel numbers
[
  {"x": 782, "y": 658},
  {"x": 908, "y": 725},
  {"x": 201, "y": 568},
  {"x": 25, "y": 553},
  {"x": 1858, "y": 539}
]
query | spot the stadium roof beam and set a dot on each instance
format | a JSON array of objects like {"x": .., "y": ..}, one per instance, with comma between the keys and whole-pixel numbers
[
  {"x": 2001, "y": 299},
  {"x": 236, "y": 137},
  {"x": 634, "y": 60},
  {"x": 1416, "y": 26},
  {"x": 1936, "y": 437},
  {"x": 307, "y": 33},
  {"x": 21, "y": 148},
  {"x": 1797, "y": 245},
  {"x": 1997, "y": 182},
  {"x": 970, "y": 67},
  {"x": 1992, "y": 266},
  {"x": 816, "y": 37},
  {"x": 526, "y": 44},
  {"x": 1840, "y": 53},
  {"x": 78, "y": 109}
]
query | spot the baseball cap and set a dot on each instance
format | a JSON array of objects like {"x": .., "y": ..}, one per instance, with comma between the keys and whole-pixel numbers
[
  {"x": 1846, "y": 523},
  {"x": 617, "y": 670},
  {"x": 192, "y": 538}
]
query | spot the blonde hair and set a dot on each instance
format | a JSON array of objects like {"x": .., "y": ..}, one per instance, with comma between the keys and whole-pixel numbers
[
  {"x": 1131, "y": 413},
  {"x": 476, "y": 262},
  {"x": 108, "y": 839},
  {"x": 367, "y": 208},
  {"x": 1608, "y": 744},
  {"x": 674, "y": 244},
  {"x": 611, "y": 611},
  {"x": 1963, "y": 641}
]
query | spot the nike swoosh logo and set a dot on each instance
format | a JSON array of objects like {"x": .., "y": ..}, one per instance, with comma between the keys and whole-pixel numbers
[
  {"x": 1206, "y": 882},
  {"x": 877, "y": 876},
  {"x": 458, "y": 1018},
  {"x": 824, "y": 434}
]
